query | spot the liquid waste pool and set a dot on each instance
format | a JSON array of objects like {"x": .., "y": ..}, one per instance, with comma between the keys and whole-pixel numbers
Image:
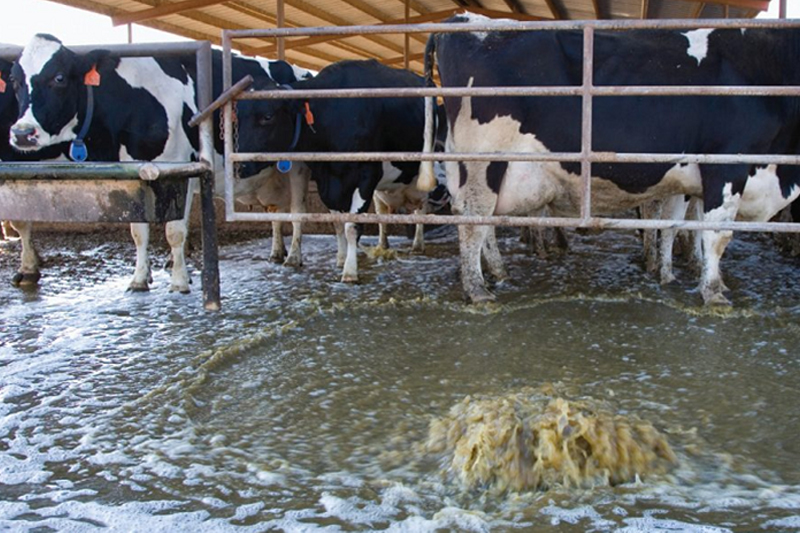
[{"x": 306, "y": 404}]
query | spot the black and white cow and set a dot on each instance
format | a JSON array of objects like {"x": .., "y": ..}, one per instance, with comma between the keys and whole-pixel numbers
[
  {"x": 342, "y": 125},
  {"x": 140, "y": 111},
  {"x": 28, "y": 271},
  {"x": 715, "y": 125}
]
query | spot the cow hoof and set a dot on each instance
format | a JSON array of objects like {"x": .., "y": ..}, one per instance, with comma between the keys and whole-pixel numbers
[
  {"x": 27, "y": 279},
  {"x": 183, "y": 289},
  {"x": 294, "y": 262},
  {"x": 717, "y": 300},
  {"x": 350, "y": 279},
  {"x": 136, "y": 286},
  {"x": 480, "y": 296},
  {"x": 666, "y": 279},
  {"x": 276, "y": 258},
  {"x": 419, "y": 250}
]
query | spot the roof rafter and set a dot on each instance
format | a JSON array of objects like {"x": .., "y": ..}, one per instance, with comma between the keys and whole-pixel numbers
[
  {"x": 162, "y": 11},
  {"x": 428, "y": 17}
]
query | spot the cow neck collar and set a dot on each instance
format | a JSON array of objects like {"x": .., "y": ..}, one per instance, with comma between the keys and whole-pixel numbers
[
  {"x": 77, "y": 150},
  {"x": 284, "y": 165}
]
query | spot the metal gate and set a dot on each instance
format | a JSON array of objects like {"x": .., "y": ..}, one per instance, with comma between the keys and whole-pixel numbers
[{"x": 586, "y": 156}]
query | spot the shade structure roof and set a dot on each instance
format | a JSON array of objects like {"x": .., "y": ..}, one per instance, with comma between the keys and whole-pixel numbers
[{"x": 205, "y": 20}]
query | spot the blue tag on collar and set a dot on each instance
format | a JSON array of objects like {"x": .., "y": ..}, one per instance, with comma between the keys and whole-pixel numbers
[
  {"x": 284, "y": 166},
  {"x": 78, "y": 151}
]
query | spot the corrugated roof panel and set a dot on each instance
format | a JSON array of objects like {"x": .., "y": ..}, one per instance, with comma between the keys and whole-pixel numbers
[{"x": 207, "y": 22}]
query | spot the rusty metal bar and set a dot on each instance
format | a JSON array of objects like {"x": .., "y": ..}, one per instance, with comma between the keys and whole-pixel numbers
[
  {"x": 223, "y": 99},
  {"x": 494, "y": 220},
  {"x": 606, "y": 90},
  {"x": 606, "y": 24},
  {"x": 586, "y": 123},
  {"x": 208, "y": 221},
  {"x": 586, "y": 91},
  {"x": 594, "y": 157},
  {"x": 227, "y": 123},
  {"x": 146, "y": 170}
]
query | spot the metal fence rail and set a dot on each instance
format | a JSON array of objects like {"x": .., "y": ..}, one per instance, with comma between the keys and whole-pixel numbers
[
  {"x": 586, "y": 92},
  {"x": 52, "y": 173}
]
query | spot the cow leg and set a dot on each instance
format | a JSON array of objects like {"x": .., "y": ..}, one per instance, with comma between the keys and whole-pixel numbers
[
  {"x": 650, "y": 211},
  {"x": 492, "y": 257},
  {"x": 177, "y": 231},
  {"x": 350, "y": 270},
  {"x": 471, "y": 239},
  {"x": 721, "y": 205},
  {"x": 278, "y": 253},
  {"x": 341, "y": 243},
  {"x": 8, "y": 230},
  {"x": 141, "y": 273},
  {"x": 28, "y": 273},
  {"x": 369, "y": 174},
  {"x": 674, "y": 208},
  {"x": 382, "y": 208},
  {"x": 473, "y": 197},
  {"x": 418, "y": 246},
  {"x": 298, "y": 181},
  {"x": 691, "y": 243}
]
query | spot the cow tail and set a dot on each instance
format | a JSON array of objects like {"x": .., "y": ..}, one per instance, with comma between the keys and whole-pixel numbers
[{"x": 427, "y": 179}]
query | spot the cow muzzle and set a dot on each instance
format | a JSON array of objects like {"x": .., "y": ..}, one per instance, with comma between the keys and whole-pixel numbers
[{"x": 24, "y": 137}]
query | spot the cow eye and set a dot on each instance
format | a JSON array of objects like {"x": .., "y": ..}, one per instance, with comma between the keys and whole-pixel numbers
[
  {"x": 59, "y": 79},
  {"x": 264, "y": 120}
]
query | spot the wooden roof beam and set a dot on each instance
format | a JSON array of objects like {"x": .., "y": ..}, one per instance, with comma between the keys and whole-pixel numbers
[
  {"x": 162, "y": 11},
  {"x": 416, "y": 6},
  {"x": 645, "y": 8},
  {"x": 308, "y": 41},
  {"x": 596, "y": 7},
  {"x": 699, "y": 10},
  {"x": 515, "y": 6},
  {"x": 314, "y": 11},
  {"x": 761, "y": 5},
  {"x": 554, "y": 10},
  {"x": 367, "y": 8}
]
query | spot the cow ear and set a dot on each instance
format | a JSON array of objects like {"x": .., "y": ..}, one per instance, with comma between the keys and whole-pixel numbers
[{"x": 93, "y": 64}]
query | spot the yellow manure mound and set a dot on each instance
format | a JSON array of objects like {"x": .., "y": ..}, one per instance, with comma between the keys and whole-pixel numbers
[{"x": 529, "y": 440}]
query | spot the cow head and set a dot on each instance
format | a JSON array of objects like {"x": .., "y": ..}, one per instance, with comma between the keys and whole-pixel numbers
[
  {"x": 48, "y": 81},
  {"x": 266, "y": 126}
]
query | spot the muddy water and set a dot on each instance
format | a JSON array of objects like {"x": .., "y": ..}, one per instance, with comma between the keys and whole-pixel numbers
[{"x": 306, "y": 404}]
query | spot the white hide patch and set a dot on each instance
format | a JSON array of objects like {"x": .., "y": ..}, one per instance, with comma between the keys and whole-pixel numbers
[
  {"x": 698, "y": 43},
  {"x": 357, "y": 202},
  {"x": 33, "y": 59},
  {"x": 762, "y": 198},
  {"x": 145, "y": 73},
  {"x": 35, "y": 56},
  {"x": 727, "y": 211},
  {"x": 529, "y": 187},
  {"x": 481, "y": 19}
]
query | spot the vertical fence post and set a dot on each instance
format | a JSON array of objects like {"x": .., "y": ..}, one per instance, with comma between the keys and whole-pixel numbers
[
  {"x": 227, "y": 118},
  {"x": 211, "y": 293},
  {"x": 586, "y": 122}
]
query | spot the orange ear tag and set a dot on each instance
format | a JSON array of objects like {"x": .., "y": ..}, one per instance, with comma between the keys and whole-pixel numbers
[
  {"x": 92, "y": 77},
  {"x": 309, "y": 116},
  {"x": 2, "y": 85}
]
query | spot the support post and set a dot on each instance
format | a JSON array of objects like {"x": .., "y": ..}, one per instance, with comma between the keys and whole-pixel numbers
[
  {"x": 586, "y": 129},
  {"x": 211, "y": 292},
  {"x": 407, "y": 41}
]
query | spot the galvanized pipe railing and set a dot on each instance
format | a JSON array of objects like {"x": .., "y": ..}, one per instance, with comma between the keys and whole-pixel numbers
[
  {"x": 586, "y": 91},
  {"x": 149, "y": 170}
]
